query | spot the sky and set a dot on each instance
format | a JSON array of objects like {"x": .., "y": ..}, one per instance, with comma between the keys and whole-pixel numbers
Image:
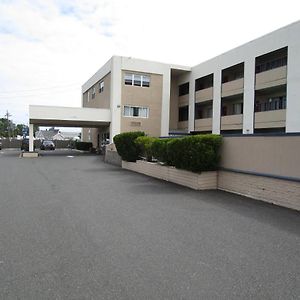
[{"x": 49, "y": 48}]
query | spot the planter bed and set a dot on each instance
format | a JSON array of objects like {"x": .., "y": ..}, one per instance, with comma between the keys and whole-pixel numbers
[{"x": 196, "y": 181}]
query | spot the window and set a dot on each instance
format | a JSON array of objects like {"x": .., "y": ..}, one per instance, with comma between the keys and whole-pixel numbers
[
  {"x": 145, "y": 81},
  {"x": 183, "y": 113},
  {"x": 136, "y": 111},
  {"x": 233, "y": 73},
  {"x": 224, "y": 111},
  {"x": 137, "y": 80},
  {"x": 93, "y": 92},
  {"x": 184, "y": 89},
  {"x": 274, "y": 103},
  {"x": 204, "y": 82},
  {"x": 203, "y": 111},
  {"x": 237, "y": 108},
  {"x": 272, "y": 64},
  {"x": 101, "y": 87},
  {"x": 128, "y": 79},
  {"x": 238, "y": 75},
  {"x": 198, "y": 111},
  {"x": 209, "y": 112}
]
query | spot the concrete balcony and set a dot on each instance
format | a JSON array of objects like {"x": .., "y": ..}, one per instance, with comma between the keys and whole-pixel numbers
[
  {"x": 271, "y": 78},
  {"x": 203, "y": 124},
  {"x": 234, "y": 87},
  {"x": 232, "y": 122},
  {"x": 183, "y": 100},
  {"x": 270, "y": 119},
  {"x": 204, "y": 95},
  {"x": 183, "y": 125}
]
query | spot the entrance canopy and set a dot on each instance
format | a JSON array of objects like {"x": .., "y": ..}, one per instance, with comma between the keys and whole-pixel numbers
[{"x": 66, "y": 117}]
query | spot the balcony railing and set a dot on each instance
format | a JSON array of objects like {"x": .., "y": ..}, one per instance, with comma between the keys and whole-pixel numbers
[
  {"x": 182, "y": 100},
  {"x": 270, "y": 119},
  {"x": 203, "y": 124},
  {"x": 183, "y": 125},
  {"x": 271, "y": 78},
  {"x": 232, "y": 122},
  {"x": 204, "y": 95},
  {"x": 234, "y": 87}
]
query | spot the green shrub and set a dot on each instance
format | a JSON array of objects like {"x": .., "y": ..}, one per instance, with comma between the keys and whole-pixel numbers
[
  {"x": 159, "y": 149},
  {"x": 145, "y": 145},
  {"x": 176, "y": 153},
  {"x": 85, "y": 146},
  {"x": 195, "y": 153},
  {"x": 126, "y": 146}
]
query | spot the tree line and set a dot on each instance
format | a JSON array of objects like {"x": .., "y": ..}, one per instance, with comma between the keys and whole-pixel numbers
[{"x": 9, "y": 129}]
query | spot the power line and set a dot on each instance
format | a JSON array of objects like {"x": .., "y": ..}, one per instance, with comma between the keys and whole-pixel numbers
[
  {"x": 34, "y": 95},
  {"x": 40, "y": 88}
]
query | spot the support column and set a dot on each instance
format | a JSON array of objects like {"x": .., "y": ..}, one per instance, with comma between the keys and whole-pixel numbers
[
  {"x": 216, "y": 122},
  {"x": 249, "y": 95},
  {"x": 165, "y": 105},
  {"x": 115, "y": 97},
  {"x": 293, "y": 79},
  {"x": 192, "y": 105},
  {"x": 31, "y": 138}
]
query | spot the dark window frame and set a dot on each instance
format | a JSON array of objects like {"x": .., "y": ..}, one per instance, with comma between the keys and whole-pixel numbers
[
  {"x": 183, "y": 113},
  {"x": 184, "y": 89}
]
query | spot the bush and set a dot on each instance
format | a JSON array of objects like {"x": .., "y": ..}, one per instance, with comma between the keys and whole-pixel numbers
[
  {"x": 159, "y": 149},
  {"x": 126, "y": 146},
  {"x": 195, "y": 153},
  {"x": 85, "y": 146},
  {"x": 145, "y": 145},
  {"x": 176, "y": 153}
]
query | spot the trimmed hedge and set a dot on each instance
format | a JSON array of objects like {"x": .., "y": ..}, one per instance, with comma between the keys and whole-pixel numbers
[
  {"x": 85, "y": 146},
  {"x": 159, "y": 149},
  {"x": 195, "y": 153},
  {"x": 126, "y": 146},
  {"x": 145, "y": 145}
]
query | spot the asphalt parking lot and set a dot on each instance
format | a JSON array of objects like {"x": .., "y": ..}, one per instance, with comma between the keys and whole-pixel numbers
[{"x": 73, "y": 227}]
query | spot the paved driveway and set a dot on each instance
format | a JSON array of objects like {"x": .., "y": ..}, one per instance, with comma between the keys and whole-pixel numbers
[{"x": 76, "y": 228}]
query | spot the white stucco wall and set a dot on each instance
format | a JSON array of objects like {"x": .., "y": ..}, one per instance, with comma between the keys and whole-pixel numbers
[
  {"x": 286, "y": 36},
  {"x": 59, "y": 113}
]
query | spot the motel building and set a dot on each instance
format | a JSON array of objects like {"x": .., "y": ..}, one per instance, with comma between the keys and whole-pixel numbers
[{"x": 250, "y": 95}]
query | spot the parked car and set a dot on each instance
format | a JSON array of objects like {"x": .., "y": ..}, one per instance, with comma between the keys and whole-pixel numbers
[
  {"x": 0, "y": 145},
  {"x": 25, "y": 145},
  {"x": 47, "y": 145}
]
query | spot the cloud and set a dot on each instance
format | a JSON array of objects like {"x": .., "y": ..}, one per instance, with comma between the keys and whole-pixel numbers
[{"x": 63, "y": 42}]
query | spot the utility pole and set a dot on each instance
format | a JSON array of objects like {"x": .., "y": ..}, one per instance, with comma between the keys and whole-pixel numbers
[{"x": 7, "y": 115}]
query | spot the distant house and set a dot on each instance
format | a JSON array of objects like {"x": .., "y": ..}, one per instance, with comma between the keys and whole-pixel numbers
[
  {"x": 70, "y": 135},
  {"x": 49, "y": 135},
  {"x": 54, "y": 135}
]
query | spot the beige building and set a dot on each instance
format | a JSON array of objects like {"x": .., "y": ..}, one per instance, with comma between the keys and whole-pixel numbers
[
  {"x": 249, "y": 94},
  {"x": 137, "y": 92},
  {"x": 250, "y": 89}
]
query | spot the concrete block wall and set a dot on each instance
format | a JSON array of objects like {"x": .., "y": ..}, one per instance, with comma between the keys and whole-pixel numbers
[
  {"x": 277, "y": 191},
  {"x": 202, "y": 181},
  {"x": 112, "y": 157}
]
